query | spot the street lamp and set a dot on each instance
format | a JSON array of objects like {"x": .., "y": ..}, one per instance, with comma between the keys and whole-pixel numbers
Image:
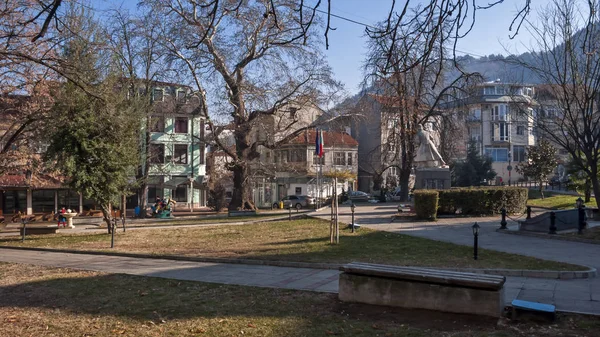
[
  {"x": 24, "y": 221},
  {"x": 580, "y": 215},
  {"x": 352, "y": 208},
  {"x": 475, "y": 229}
]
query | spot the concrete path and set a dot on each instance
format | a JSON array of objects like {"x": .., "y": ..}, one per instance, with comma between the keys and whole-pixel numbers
[{"x": 249, "y": 275}]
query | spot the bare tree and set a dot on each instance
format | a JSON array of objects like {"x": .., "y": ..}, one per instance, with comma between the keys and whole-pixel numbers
[
  {"x": 257, "y": 55},
  {"x": 142, "y": 60},
  {"x": 566, "y": 57},
  {"x": 407, "y": 69}
]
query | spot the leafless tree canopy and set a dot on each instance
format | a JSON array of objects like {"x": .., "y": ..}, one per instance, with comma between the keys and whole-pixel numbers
[{"x": 567, "y": 59}]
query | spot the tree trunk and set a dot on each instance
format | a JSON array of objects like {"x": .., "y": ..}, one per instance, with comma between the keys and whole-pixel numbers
[
  {"x": 542, "y": 189},
  {"x": 587, "y": 191},
  {"x": 106, "y": 212},
  {"x": 595, "y": 183},
  {"x": 242, "y": 192},
  {"x": 404, "y": 180},
  {"x": 144, "y": 175}
]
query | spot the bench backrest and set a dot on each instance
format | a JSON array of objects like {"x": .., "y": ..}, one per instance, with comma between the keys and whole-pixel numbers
[{"x": 425, "y": 275}]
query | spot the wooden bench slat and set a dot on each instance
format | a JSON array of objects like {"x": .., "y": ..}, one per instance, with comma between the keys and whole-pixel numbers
[
  {"x": 429, "y": 272},
  {"x": 403, "y": 269},
  {"x": 427, "y": 275}
]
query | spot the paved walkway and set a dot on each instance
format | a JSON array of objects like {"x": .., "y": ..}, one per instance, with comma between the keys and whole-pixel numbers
[{"x": 248, "y": 275}]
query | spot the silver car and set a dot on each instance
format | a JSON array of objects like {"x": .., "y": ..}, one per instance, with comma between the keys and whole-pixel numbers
[{"x": 297, "y": 201}]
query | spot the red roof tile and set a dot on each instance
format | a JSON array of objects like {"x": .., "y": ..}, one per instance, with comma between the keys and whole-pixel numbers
[{"x": 330, "y": 138}]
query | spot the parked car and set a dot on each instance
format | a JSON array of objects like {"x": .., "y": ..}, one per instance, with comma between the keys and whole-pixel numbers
[
  {"x": 296, "y": 201},
  {"x": 358, "y": 196}
]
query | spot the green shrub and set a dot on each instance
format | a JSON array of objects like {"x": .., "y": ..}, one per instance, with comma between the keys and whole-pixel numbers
[
  {"x": 482, "y": 201},
  {"x": 426, "y": 204}
]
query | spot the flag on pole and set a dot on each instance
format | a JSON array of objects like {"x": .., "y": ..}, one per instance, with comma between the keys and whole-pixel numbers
[{"x": 319, "y": 144}]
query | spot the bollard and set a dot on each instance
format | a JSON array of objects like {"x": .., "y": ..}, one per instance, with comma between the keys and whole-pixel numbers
[
  {"x": 290, "y": 214},
  {"x": 552, "y": 223},
  {"x": 580, "y": 220},
  {"x": 528, "y": 212},
  {"x": 503, "y": 221},
  {"x": 123, "y": 222},
  {"x": 112, "y": 233}
]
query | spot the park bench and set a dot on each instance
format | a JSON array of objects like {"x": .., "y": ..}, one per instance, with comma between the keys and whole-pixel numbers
[
  {"x": 50, "y": 229},
  {"x": 422, "y": 288}
]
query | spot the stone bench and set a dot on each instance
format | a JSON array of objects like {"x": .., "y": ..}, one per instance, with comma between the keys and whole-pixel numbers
[
  {"x": 421, "y": 288},
  {"x": 241, "y": 213}
]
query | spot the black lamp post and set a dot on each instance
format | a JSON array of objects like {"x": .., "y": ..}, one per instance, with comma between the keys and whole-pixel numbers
[
  {"x": 580, "y": 214},
  {"x": 123, "y": 220},
  {"x": 475, "y": 229},
  {"x": 24, "y": 221},
  {"x": 352, "y": 208}
]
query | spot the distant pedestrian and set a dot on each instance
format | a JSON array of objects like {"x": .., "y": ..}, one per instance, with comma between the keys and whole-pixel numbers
[{"x": 61, "y": 218}]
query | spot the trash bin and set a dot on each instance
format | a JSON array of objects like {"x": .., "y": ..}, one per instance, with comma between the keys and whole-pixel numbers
[{"x": 136, "y": 210}]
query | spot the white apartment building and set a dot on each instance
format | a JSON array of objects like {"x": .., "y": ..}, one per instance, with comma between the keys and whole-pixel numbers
[{"x": 498, "y": 119}]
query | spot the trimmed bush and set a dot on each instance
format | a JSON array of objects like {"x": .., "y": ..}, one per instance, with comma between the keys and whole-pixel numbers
[
  {"x": 482, "y": 200},
  {"x": 426, "y": 204}
]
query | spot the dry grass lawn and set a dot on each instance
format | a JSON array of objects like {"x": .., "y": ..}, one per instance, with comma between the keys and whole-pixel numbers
[
  {"x": 41, "y": 301},
  {"x": 300, "y": 240}
]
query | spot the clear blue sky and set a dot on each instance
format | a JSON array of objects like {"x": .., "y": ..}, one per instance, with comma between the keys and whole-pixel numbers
[{"x": 347, "y": 43}]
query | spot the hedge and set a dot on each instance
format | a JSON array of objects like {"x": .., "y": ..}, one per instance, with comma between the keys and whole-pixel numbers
[
  {"x": 426, "y": 204},
  {"x": 482, "y": 200}
]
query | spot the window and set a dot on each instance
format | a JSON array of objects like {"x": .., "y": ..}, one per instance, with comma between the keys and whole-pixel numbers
[
  {"x": 497, "y": 154},
  {"x": 298, "y": 190},
  {"x": 500, "y": 132},
  {"x": 339, "y": 158},
  {"x": 475, "y": 115},
  {"x": 520, "y": 130},
  {"x": 392, "y": 123},
  {"x": 157, "y": 124},
  {"x": 489, "y": 91},
  {"x": 202, "y": 154},
  {"x": 157, "y": 153},
  {"x": 181, "y": 125},
  {"x": 293, "y": 112},
  {"x": 180, "y": 192},
  {"x": 499, "y": 90},
  {"x": 180, "y": 96},
  {"x": 518, "y": 153},
  {"x": 475, "y": 133},
  {"x": 202, "y": 129},
  {"x": 157, "y": 95},
  {"x": 153, "y": 192},
  {"x": 297, "y": 156},
  {"x": 349, "y": 158},
  {"x": 180, "y": 154},
  {"x": 500, "y": 112},
  {"x": 318, "y": 160}
]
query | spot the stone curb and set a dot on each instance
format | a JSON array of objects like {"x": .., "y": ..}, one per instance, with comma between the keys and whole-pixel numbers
[
  {"x": 548, "y": 274},
  {"x": 548, "y": 236}
]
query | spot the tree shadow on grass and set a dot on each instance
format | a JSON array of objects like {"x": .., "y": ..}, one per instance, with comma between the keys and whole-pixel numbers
[{"x": 144, "y": 299}]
